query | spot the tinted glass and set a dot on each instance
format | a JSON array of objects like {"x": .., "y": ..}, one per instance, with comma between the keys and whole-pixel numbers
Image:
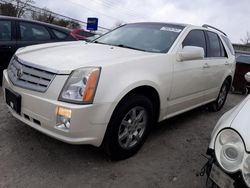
[
  {"x": 195, "y": 38},
  {"x": 85, "y": 34},
  {"x": 243, "y": 59},
  {"x": 5, "y": 30},
  {"x": 214, "y": 45},
  {"x": 223, "y": 52},
  {"x": 151, "y": 37},
  {"x": 59, "y": 34},
  {"x": 33, "y": 32},
  {"x": 229, "y": 44}
]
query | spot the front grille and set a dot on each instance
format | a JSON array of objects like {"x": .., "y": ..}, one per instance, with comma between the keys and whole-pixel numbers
[{"x": 29, "y": 77}]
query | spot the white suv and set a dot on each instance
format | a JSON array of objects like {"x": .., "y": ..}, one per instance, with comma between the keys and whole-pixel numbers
[{"x": 110, "y": 92}]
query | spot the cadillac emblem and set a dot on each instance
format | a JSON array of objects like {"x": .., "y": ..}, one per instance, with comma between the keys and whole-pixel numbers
[{"x": 19, "y": 73}]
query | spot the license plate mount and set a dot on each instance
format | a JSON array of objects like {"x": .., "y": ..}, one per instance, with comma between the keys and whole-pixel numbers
[
  {"x": 13, "y": 100},
  {"x": 221, "y": 178}
]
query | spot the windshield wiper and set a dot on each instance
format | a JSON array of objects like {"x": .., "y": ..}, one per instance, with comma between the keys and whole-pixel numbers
[
  {"x": 120, "y": 45},
  {"x": 129, "y": 47},
  {"x": 97, "y": 42}
]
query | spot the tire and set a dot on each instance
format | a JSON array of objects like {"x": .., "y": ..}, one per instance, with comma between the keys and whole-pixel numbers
[
  {"x": 128, "y": 127},
  {"x": 221, "y": 99},
  {"x": 245, "y": 91}
]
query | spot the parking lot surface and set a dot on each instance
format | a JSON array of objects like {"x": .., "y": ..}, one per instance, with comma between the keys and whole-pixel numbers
[{"x": 171, "y": 156}]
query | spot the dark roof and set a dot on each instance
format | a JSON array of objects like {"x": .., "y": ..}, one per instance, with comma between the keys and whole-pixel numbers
[
  {"x": 243, "y": 59},
  {"x": 34, "y": 21}
]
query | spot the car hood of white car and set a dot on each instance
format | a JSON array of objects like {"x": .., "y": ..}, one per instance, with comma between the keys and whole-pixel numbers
[
  {"x": 238, "y": 119},
  {"x": 63, "y": 57}
]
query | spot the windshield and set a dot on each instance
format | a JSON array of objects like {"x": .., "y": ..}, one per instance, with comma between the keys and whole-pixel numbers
[{"x": 150, "y": 37}]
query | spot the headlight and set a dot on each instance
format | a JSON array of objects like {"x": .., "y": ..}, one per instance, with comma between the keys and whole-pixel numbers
[
  {"x": 81, "y": 86},
  {"x": 246, "y": 171},
  {"x": 229, "y": 150}
]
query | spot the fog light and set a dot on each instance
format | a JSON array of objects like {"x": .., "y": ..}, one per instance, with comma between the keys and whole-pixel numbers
[
  {"x": 63, "y": 118},
  {"x": 64, "y": 112}
]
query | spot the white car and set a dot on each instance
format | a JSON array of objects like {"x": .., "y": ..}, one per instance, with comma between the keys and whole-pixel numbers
[
  {"x": 229, "y": 148},
  {"x": 110, "y": 92}
]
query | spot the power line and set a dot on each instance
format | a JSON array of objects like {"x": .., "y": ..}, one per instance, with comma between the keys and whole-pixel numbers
[
  {"x": 37, "y": 9},
  {"x": 112, "y": 5},
  {"x": 81, "y": 5}
]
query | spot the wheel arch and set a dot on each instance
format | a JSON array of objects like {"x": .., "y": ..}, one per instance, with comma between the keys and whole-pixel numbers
[
  {"x": 230, "y": 79},
  {"x": 145, "y": 90}
]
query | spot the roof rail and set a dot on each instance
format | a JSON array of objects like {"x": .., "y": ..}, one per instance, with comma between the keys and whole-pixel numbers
[{"x": 209, "y": 26}]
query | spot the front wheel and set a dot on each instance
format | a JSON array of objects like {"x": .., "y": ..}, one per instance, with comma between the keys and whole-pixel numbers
[
  {"x": 221, "y": 99},
  {"x": 128, "y": 127}
]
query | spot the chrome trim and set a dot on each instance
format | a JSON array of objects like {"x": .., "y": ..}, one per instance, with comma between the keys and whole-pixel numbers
[
  {"x": 36, "y": 66},
  {"x": 29, "y": 77}
]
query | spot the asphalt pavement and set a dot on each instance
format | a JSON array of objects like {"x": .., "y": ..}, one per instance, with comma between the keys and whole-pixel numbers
[{"x": 171, "y": 157}]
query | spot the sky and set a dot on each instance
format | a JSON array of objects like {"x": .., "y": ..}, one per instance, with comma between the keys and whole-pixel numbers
[{"x": 230, "y": 16}]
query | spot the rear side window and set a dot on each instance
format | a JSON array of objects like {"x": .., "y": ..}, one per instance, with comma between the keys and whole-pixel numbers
[
  {"x": 195, "y": 38},
  {"x": 33, "y": 32},
  {"x": 229, "y": 44},
  {"x": 5, "y": 30},
  {"x": 59, "y": 35},
  {"x": 214, "y": 45}
]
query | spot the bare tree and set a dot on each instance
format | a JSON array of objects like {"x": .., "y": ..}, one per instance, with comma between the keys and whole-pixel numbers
[
  {"x": 8, "y": 9},
  {"x": 246, "y": 39},
  {"x": 43, "y": 15},
  {"x": 21, "y": 6}
]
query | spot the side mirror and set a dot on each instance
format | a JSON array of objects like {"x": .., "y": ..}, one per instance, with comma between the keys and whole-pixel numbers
[
  {"x": 247, "y": 77},
  {"x": 190, "y": 53}
]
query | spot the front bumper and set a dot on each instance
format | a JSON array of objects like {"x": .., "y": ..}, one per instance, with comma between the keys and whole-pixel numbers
[
  {"x": 236, "y": 177},
  {"x": 39, "y": 110}
]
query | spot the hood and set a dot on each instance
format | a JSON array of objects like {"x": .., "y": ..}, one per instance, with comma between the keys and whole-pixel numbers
[
  {"x": 63, "y": 57},
  {"x": 241, "y": 122},
  {"x": 238, "y": 119}
]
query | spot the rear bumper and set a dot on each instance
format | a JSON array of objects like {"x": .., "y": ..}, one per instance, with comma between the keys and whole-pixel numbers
[{"x": 39, "y": 110}]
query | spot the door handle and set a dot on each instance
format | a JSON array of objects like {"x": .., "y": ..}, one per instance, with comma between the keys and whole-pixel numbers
[
  {"x": 5, "y": 47},
  {"x": 205, "y": 66},
  {"x": 226, "y": 63}
]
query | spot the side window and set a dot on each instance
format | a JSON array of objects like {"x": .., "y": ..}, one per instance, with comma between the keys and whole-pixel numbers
[
  {"x": 223, "y": 52},
  {"x": 5, "y": 30},
  {"x": 214, "y": 45},
  {"x": 229, "y": 45},
  {"x": 59, "y": 35},
  {"x": 33, "y": 32},
  {"x": 195, "y": 38},
  {"x": 85, "y": 34}
]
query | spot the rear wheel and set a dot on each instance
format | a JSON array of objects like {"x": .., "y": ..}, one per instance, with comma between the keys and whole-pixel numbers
[
  {"x": 128, "y": 127},
  {"x": 221, "y": 99}
]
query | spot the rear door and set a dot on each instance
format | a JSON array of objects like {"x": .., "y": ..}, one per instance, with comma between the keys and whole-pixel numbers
[
  {"x": 217, "y": 62},
  {"x": 32, "y": 33},
  {"x": 7, "y": 42}
]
